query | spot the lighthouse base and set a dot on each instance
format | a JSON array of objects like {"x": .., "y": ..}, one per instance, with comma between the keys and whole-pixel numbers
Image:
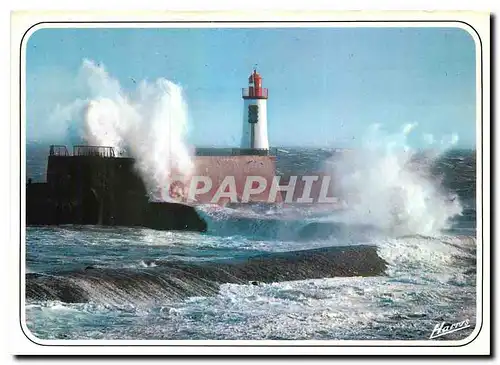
[{"x": 236, "y": 152}]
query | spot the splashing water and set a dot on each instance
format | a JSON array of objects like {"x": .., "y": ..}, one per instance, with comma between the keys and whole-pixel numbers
[
  {"x": 386, "y": 184},
  {"x": 149, "y": 123}
]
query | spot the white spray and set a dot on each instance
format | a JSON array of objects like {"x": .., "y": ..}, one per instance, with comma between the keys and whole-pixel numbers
[
  {"x": 150, "y": 124},
  {"x": 384, "y": 185}
]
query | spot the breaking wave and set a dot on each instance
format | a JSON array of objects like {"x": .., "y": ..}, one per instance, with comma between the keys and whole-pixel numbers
[
  {"x": 149, "y": 123},
  {"x": 389, "y": 185}
]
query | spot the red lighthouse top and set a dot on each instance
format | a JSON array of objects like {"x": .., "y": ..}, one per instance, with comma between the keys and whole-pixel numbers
[{"x": 255, "y": 89}]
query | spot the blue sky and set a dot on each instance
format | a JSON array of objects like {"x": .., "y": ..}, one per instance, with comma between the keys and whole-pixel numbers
[{"x": 326, "y": 85}]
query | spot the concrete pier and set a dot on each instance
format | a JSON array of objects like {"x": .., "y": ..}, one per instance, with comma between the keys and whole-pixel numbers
[{"x": 92, "y": 186}]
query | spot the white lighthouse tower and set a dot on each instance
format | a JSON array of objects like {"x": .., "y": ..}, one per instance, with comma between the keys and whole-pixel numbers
[{"x": 255, "y": 114}]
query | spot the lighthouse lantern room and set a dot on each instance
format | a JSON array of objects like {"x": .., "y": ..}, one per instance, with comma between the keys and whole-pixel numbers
[{"x": 255, "y": 114}]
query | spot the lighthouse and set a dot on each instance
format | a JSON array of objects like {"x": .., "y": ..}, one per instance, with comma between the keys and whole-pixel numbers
[{"x": 255, "y": 115}]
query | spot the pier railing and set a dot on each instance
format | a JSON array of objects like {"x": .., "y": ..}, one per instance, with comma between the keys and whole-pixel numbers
[
  {"x": 105, "y": 151},
  {"x": 58, "y": 150},
  {"x": 100, "y": 151}
]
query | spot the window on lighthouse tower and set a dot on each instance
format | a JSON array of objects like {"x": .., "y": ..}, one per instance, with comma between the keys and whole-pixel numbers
[{"x": 253, "y": 116}]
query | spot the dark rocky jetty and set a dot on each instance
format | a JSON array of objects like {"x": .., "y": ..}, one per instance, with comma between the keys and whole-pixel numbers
[{"x": 178, "y": 279}]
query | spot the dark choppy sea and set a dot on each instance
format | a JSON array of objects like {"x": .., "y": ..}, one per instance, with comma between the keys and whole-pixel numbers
[{"x": 430, "y": 275}]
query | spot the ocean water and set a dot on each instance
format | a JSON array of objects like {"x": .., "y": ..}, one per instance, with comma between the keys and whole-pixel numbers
[{"x": 145, "y": 284}]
